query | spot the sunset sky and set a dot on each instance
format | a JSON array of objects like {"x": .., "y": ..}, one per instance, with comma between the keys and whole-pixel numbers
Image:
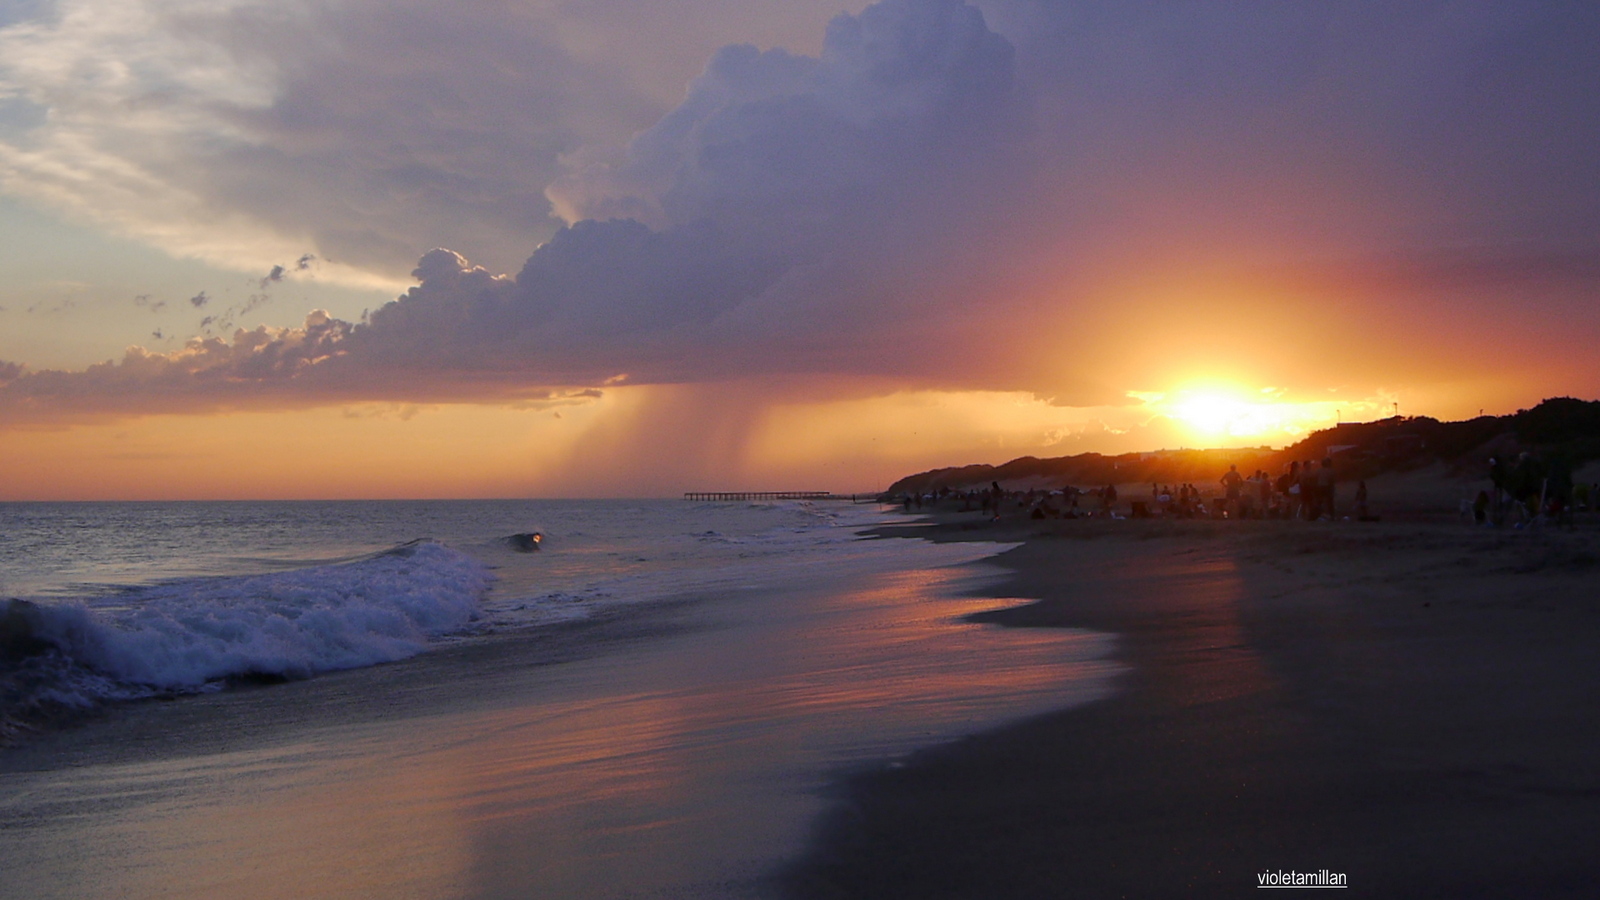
[{"x": 393, "y": 248}]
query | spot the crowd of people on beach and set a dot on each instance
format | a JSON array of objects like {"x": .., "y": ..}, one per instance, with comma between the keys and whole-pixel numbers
[
  {"x": 1527, "y": 491},
  {"x": 1304, "y": 490}
]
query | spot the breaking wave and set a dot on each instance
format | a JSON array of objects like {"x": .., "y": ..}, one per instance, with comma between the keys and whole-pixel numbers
[{"x": 201, "y": 634}]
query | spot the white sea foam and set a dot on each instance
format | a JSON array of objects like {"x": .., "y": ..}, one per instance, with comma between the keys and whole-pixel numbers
[{"x": 187, "y": 634}]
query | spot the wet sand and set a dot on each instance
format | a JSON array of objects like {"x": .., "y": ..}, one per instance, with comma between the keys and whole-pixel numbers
[{"x": 1412, "y": 705}]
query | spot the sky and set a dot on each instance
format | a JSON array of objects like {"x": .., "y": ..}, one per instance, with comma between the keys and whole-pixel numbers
[{"x": 490, "y": 248}]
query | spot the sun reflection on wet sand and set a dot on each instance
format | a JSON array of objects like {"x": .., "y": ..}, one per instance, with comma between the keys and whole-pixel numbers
[
  {"x": 684, "y": 766},
  {"x": 715, "y": 770}
]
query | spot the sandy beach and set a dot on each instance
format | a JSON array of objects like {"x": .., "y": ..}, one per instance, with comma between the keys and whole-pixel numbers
[
  {"x": 1409, "y": 704},
  {"x": 1112, "y": 708}
]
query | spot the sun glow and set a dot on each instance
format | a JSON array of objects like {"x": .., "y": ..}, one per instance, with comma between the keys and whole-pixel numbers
[
  {"x": 1211, "y": 412},
  {"x": 1214, "y": 415}
]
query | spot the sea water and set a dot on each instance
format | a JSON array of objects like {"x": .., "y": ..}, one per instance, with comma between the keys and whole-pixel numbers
[
  {"x": 652, "y": 703},
  {"x": 142, "y": 599}
]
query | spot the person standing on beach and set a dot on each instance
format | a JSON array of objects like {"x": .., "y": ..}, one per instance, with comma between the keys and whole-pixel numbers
[
  {"x": 1307, "y": 483},
  {"x": 1499, "y": 477},
  {"x": 1230, "y": 487},
  {"x": 1288, "y": 494}
]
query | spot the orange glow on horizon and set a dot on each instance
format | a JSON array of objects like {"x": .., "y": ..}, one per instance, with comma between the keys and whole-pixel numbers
[
  {"x": 1213, "y": 414},
  {"x": 653, "y": 441},
  {"x": 378, "y": 450}
]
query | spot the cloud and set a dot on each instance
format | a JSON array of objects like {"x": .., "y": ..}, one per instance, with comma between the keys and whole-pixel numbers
[
  {"x": 205, "y": 374},
  {"x": 239, "y": 131},
  {"x": 935, "y": 198},
  {"x": 778, "y": 183},
  {"x": 770, "y": 140}
]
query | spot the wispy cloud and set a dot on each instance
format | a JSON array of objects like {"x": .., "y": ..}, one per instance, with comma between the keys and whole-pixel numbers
[{"x": 237, "y": 131}]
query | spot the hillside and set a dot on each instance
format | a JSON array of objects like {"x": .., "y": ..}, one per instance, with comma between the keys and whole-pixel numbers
[{"x": 1563, "y": 430}]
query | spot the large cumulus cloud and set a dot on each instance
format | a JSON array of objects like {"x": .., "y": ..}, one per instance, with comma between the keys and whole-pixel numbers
[
  {"x": 778, "y": 195},
  {"x": 773, "y": 191}
]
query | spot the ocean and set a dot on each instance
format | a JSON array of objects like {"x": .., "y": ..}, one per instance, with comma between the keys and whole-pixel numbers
[{"x": 307, "y": 699}]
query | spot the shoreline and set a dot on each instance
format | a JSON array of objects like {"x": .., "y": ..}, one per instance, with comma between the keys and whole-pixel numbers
[
  {"x": 1407, "y": 704},
  {"x": 682, "y": 748}
]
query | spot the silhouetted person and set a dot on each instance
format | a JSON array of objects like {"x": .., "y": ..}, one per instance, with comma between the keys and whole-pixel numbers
[
  {"x": 1500, "y": 477},
  {"x": 1230, "y": 489},
  {"x": 1310, "y": 509}
]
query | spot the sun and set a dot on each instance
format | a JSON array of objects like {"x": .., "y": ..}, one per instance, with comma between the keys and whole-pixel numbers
[{"x": 1215, "y": 414}]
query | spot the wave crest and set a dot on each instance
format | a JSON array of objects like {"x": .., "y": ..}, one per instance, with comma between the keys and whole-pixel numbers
[{"x": 188, "y": 635}]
